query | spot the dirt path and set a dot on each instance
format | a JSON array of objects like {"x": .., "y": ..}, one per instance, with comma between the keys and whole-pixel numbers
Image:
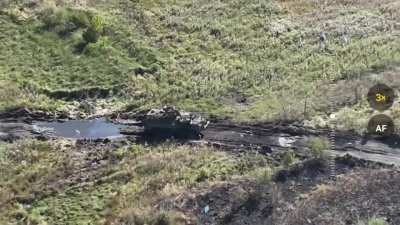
[
  {"x": 268, "y": 139},
  {"x": 274, "y": 140}
]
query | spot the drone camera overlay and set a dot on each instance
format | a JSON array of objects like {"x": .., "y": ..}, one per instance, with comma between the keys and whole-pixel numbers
[{"x": 199, "y": 112}]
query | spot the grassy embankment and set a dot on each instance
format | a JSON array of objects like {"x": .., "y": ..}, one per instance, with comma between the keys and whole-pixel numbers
[
  {"x": 258, "y": 60},
  {"x": 61, "y": 183},
  {"x": 43, "y": 183}
]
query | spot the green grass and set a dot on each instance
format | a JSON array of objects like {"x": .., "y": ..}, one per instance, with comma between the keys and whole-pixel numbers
[
  {"x": 40, "y": 188},
  {"x": 166, "y": 171},
  {"x": 203, "y": 56},
  {"x": 45, "y": 59},
  {"x": 80, "y": 206},
  {"x": 318, "y": 147},
  {"x": 43, "y": 55},
  {"x": 27, "y": 170},
  {"x": 375, "y": 221}
]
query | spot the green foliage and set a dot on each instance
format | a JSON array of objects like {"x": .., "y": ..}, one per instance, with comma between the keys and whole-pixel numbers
[
  {"x": 27, "y": 169},
  {"x": 245, "y": 61},
  {"x": 263, "y": 175},
  {"x": 51, "y": 18},
  {"x": 250, "y": 161},
  {"x": 289, "y": 158},
  {"x": 98, "y": 47},
  {"x": 202, "y": 176},
  {"x": 163, "y": 170},
  {"x": 318, "y": 147},
  {"x": 141, "y": 218},
  {"x": 94, "y": 31},
  {"x": 55, "y": 65},
  {"x": 194, "y": 61},
  {"x": 90, "y": 35},
  {"x": 65, "y": 21},
  {"x": 12, "y": 96},
  {"x": 374, "y": 221},
  {"x": 81, "y": 19},
  {"x": 78, "y": 206},
  {"x": 377, "y": 221}
]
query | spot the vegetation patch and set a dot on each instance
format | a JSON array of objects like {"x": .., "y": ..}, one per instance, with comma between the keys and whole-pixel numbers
[
  {"x": 199, "y": 56},
  {"x": 375, "y": 187},
  {"x": 319, "y": 147},
  {"x": 42, "y": 189}
]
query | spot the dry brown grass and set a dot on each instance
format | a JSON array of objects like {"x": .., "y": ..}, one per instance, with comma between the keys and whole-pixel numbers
[
  {"x": 160, "y": 176},
  {"x": 146, "y": 217},
  {"x": 349, "y": 3},
  {"x": 300, "y": 7},
  {"x": 354, "y": 197}
]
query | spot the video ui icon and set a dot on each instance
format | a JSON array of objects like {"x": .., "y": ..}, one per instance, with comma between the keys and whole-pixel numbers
[
  {"x": 381, "y": 125},
  {"x": 381, "y": 97}
]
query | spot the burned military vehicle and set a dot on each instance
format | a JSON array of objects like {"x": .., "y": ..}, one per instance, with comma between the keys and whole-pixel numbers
[{"x": 170, "y": 122}]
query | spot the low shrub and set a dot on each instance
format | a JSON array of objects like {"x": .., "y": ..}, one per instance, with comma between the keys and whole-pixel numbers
[
  {"x": 263, "y": 175},
  {"x": 94, "y": 31},
  {"x": 318, "y": 147},
  {"x": 289, "y": 158},
  {"x": 97, "y": 48},
  {"x": 66, "y": 21}
]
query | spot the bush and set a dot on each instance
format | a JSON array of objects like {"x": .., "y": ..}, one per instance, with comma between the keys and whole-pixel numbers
[
  {"x": 318, "y": 147},
  {"x": 101, "y": 46},
  {"x": 51, "y": 18},
  {"x": 65, "y": 21},
  {"x": 90, "y": 36},
  {"x": 202, "y": 176},
  {"x": 94, "y": 31},
  {"x": 289, "y": 158},
  {"x": 81, "y": 19},
  {"x": 264, "y": 175}
]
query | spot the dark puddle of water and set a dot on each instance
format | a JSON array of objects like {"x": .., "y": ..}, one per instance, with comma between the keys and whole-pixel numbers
[{"x": 83, "y": 129}]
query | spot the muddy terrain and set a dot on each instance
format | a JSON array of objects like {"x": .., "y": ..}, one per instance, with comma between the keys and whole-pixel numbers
[{"x": 266, "y": 138}]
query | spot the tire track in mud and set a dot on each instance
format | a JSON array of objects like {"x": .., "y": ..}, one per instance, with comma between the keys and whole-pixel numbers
[{"x": 272, "y": 139}]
